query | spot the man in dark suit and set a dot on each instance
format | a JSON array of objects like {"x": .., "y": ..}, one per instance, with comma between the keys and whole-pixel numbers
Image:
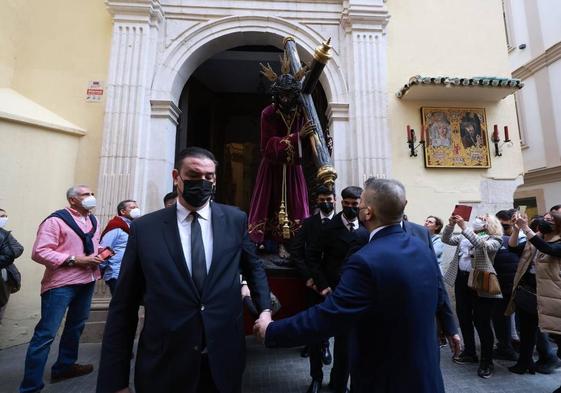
[
  {"x": 307, "y": 234},
  {"x": 444, "y": 314},
  {"x": 183, "y": 264},
  {"x": 387, "y": 297},
  {"x": 326, "y": 255}
]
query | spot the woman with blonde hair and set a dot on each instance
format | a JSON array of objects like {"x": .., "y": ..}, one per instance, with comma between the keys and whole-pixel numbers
[{"x": 475, "y": 252}]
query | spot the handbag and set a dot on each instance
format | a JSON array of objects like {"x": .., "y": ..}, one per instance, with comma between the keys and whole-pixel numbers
[
  {"x": 486, "y": 282},
  {"x": 526, "y": 300},
  {"x": 4, "y": 291}
]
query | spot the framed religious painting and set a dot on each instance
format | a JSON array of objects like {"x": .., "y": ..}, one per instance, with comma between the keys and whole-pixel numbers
[{"x": 455, "y": 138}]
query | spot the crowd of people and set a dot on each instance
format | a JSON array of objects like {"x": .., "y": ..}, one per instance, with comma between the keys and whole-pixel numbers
[{"x": 375, "y": 283}]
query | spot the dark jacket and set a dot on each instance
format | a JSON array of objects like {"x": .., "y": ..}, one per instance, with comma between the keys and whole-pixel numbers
[
  {"x": 444, "y": 314},
  {"x": 387, "y": 297},
  {"x": 10, "y": 249},
  {"x": 506, "y": 262},
  {"x": 179, "y": 321},
  {"x": 327, "y": 253},
  {"x": 304, "y": 237}
]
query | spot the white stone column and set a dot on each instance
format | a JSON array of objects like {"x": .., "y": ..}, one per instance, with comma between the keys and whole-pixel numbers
[
  {"x": 368, "y": 149},
  {"x": 126, "y": 138}
]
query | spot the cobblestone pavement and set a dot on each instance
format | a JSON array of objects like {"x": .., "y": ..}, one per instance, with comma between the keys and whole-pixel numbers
[{"x": 284, "y": 371}]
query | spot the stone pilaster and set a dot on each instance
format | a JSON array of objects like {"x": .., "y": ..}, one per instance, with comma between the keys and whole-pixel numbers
[
  {"x": 368, "y": 150},
  {"x": 127, "y": 117}
]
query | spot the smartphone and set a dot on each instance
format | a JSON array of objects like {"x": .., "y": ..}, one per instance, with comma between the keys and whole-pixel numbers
[
  {"x": 106, "y": 253},
  {"x": 522, "y": 209}
]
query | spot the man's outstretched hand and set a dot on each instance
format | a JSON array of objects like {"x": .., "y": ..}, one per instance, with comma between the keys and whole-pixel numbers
[{"x": 260, "y": 326}]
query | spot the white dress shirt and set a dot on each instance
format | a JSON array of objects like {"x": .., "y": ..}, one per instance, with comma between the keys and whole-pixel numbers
[
  {"x": 466, "y": 249},
  {"x": 329, "y": 216},
  {"x": 375, "y": 231},
  {"x": 347, "y": 222},
  {"x": 184, "y": 220}
]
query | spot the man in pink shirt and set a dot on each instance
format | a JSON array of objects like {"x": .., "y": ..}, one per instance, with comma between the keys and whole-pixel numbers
[{"x": 67, "y": 244}]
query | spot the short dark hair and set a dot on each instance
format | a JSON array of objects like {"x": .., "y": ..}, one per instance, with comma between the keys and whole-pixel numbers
[
  {"x": 555, "y": 208},
  {"x": 123, "y": 205},
  {"x": 534, "y": 222},
  {"x": 351, "y": 192},
  {"x": 324, "y": 190},
  {"x": 438, "y": 222},
  {"x": 505, "y": 215},
  {"x": 169, "y": 196},
  {"x": 387, "y": 196},
  {"x": 193, "y": 151}
]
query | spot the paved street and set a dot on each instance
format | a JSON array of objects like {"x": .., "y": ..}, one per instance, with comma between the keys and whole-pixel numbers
[{"x": 284, "y": 371}]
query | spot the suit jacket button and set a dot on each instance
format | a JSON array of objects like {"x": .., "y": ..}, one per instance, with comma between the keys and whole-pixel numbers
[
  {"x": 202, "y": 307},
  {"x": 196, "y": 348}
]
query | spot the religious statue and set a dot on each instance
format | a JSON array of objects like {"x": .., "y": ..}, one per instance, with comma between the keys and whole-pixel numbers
[{"x": 280, "y": 199}]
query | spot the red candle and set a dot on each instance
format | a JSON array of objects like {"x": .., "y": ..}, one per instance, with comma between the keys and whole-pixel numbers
[
  {"x": 495, "y": 133},
  {"x": 506, "y": 134},
  {"x": 408, "y": 133},
  {"x": 412, "y": 135}
]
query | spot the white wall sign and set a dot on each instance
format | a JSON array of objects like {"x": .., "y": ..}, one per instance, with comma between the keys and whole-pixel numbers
[{"x": 94, "y": 93}]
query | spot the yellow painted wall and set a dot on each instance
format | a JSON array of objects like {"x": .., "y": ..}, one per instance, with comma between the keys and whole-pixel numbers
[
  {"x": 41, "y": 168},
  {"x": 446, "y": 38},
  {"x": 49, "y": 51}
]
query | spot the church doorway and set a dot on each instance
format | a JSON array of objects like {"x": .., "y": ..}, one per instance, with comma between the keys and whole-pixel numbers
[{"x": 221, "y": 104}]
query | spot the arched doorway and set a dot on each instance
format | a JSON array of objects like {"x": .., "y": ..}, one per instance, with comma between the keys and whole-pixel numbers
[{"x": 220, "y": 108}]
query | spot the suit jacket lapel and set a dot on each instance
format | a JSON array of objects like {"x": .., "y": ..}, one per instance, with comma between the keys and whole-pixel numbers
[
  {"x": 173, "y": 242},
  {"x": 217, "y": 222}
]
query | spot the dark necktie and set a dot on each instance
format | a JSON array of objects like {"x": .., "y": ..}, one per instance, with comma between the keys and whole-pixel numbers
[
  {"x": 324, "y": 220},
  {"x": 351, "y": 227},
  {"x": 198, "y": 260}
]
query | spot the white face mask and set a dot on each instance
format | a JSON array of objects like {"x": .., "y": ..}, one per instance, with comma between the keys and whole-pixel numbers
[
  {"x": 3, "y": 221},
  {"x": 479, "y": 225},
  {"x": 89, "y": 202},
  {"x": 135, "y": 213}
]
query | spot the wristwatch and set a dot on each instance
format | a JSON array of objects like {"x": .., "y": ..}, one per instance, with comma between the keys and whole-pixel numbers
[{"x": 71, "y": 261}]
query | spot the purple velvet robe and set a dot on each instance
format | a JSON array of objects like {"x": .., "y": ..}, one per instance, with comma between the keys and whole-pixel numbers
[{"x": 278, "y": 147}]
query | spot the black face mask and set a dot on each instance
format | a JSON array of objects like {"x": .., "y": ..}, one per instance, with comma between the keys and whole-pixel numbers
[
  {"x": 326, "y": 207},
  {"x": 197, "y": 192},
  {"x": 545, "y": 227},
  {"x": 350, "y": 212}
]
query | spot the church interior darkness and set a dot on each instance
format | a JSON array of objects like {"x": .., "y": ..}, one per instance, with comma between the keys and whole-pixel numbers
[{"x": 221, "y": 106}]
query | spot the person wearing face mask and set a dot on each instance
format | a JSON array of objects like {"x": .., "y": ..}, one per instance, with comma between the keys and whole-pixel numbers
[
  {"x": 183, "y": 264},
  {"x": 326, "y": 255},
  {"x": 476, "y": 247},
  {"x": 67, "y": 245},
  {"x": 386, "y": 301},
  {"x": 536, "y": 295},
  {"x": 116, "y": 235},
  {"x": 311, "y": 227},
  {"x": 10, "y": 249}
]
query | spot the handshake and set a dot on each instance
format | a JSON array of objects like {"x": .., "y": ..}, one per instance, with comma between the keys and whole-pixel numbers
[{"x": 260, "y": 326}]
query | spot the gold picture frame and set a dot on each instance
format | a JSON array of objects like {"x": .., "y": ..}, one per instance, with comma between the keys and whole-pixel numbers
[{"x": 456, "y": 138}]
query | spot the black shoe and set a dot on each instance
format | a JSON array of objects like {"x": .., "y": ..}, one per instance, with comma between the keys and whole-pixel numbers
[
  {"x": 305, "y": 352},
  {"x": 76, "y": 370},
  {"x": 315, "y": 387},
  {"x": 548, "y": 367},
  {"x": 485, "y": 369},
  {"x": 520, "y": 369},
  {"x": 465, "y": 358},
  {"x": 505, "y": 354},
  {"x": 326, "y": 357}
]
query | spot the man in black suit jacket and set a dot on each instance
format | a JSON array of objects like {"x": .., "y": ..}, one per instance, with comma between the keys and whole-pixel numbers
[
  {"x": 326, "y": 256},
  {"x": 307, "y": 234},
  {"x": 183, "y": 264}
]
